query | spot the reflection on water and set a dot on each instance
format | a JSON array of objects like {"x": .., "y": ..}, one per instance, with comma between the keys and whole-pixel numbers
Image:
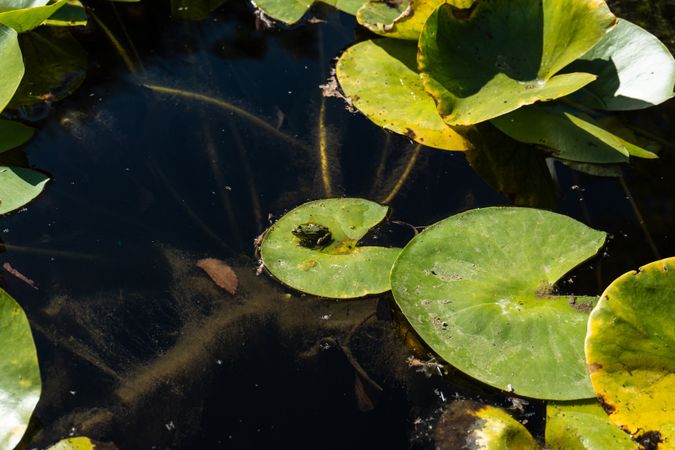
[{"x": 139, "y": 347}]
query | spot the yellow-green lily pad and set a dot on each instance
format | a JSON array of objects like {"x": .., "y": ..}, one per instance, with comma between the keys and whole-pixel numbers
[
  {"x": 381, "y": 80},
  {"x": 330, "y": 265},
  {"x": 500, "y": 55},
  {"x": 25, "y": 15},
  {"x": 469, "y": 425},
  {"x": 583, "y": 426},
  {"x": 75, "y": 443},
  {"x": 20, "y": 384},
  {"x": 13, "y": 134},
  {"x": 11, "y": 64},
  {"x": 478, "y": 289},
  {"x": 630, "y": 350},
  {"x": 291, "y": 11},
  {"x": 19, "y": 186}
]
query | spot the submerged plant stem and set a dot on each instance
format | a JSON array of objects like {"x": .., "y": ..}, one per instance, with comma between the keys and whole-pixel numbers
[
  {"x": 255, "y": 120},
  {"x": 116, "y": 43},
  {"x": 323, "y": 151},
  {"x": 404, "y": 176},
  {"x": 641, "y": 220},
  {"x": 384, "y": 156}
]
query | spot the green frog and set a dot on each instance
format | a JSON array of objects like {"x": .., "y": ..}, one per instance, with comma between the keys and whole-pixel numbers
[{"x": 313, "y": 235}]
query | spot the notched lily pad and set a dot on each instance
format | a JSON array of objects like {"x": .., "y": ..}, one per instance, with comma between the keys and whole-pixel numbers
[
  {"x": 468, "y": 425},
  {"x": 491, "y": 60},
  {"x": 478, "y": 288},
  {"x": 336, "y": 267},
  {"x": 13, "y": 134},
  {"x": 291, "y": 11},
  {"x": 630, "y": 350},
  {"x": 24, "y": 16},
  {"x": 19, "y": 186},
  {"x": 381, "y": 80},
  {"x": 20, "y": 384},
  {"x": 583, "y": 426}
]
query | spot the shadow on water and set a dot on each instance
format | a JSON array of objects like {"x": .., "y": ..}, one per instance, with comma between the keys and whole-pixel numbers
[{"x": 136, "y": 344}]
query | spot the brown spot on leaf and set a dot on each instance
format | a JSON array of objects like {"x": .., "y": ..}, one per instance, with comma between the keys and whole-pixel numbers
[
  {"x": 220, "y": 273},
  {"x": 609, "y": 408},
  {"x": 594, "y": 367},
  {"x": 650, "y": 440}
]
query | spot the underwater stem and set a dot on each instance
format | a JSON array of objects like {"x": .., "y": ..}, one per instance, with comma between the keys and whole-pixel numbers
[
  {"x": 116, "y": 43},
  {"x": 404, "y": 176},
  {"x": 639, "y": 217}
]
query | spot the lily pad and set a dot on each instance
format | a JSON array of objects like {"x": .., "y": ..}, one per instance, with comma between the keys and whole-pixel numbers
[
  {"x": 11, "y": 64},
  {"x": 72, "y": 14},
  {"x": 13, "y": 134},
  {"x": 20, "y": 383},
  {"x": 568, "y": 135},
  {"x": 19, "y": 186},
  {"x": 635, "y": 70},
  {"x": 478, "y": 288},
  {"x": 291, "y": 11},
  {"x": 583, "y": 426},
  {"x": 26, "y": 15},
  {"x": 341, "y": 268},
  {"x": 380, "y": 78},
  {"x": 501, "y": 55},
  {"x": 630, "y": 349},
  {"x": 76, "y": 443},
  {"x": 468, "y": 425}
]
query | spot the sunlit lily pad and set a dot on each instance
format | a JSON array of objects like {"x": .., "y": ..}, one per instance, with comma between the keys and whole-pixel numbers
[
  {"x": 630, "y": 349},
  {"x": 490, "y": 61},
  {"x": 568, "y": 135},
  {"x": 380, "y": 78},
  {"x": 13, "y": 134},
  {"x": 635, "y": 70},
  {"x": 290, "y": 11},
  {"x": 19, "y": 186},
  {"x": 24, "y": 15},
  {"x": 470, "y": 425},
  {"x": 11, "y": 64},
  {"x": 583, "y": 426},
  {"x": 76, "y": 443},
  {"x": 478, "y": 288},
  {"x": 338, "y": 267},
  {"x": 20, "y": 383}
]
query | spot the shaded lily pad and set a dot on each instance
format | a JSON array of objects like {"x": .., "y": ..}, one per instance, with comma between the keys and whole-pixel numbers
[
  {"x": 341, "y": 268},
  {"x": 13, "y": 134},
  {"x": 470, "y": 425},
  {"x": 478, "y": 288},
  {"x": 635, "y": 70},
  {"x": 72, "y": 14},
  {"x": 583, "y": 426},
  {"x": 76, "y": 443},
  {"x": 630, "y": 349},
  {"x": 380, "y": 78},
  {"x": 489, "y": 61},
  {"x": 19, "y": 186},
  {"x": 20, "y": 383},
  {"x": 24, "y": 15},
  {"x": 11, "y": 64},
  {"x": 568, "y": 135},
  {"x": 290, "y": 11}
]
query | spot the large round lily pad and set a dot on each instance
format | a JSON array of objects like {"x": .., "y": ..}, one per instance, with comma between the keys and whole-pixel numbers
[
  {"x": 630, "y": 349},
  {"x": 470, "y": 425},
  {"x": 501, "y": 55},
  {"x": 20, "y": 384},
  {"x": 380, "y": 77},
  {"x": 478, "y": 288},
  {"x": 336, "y": 268},
  {"x": 583, "y": 426},
  {"x": 19, "y": 186}
]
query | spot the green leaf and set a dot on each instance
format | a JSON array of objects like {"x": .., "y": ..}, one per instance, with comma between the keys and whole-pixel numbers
[
  {"x": 290, "y": 11},
  {"x": 76, "y": 443},
  {"x": 19, "y": 186},
  {"x": 11, "y": 64},
  {"x": 72, "y": 14},
  {"x": 630, "y": 350},
  {"x": 13, "y": 134},
  {"x": 478, "y": 289},
  {"x": 583, "y": 426},
  {"x": 56, "y": 65},
  {"x": 25, "y": 18},
  {"x": 470, "y": 425},
  {"x": 342, "y": 269},
  {"x": 567, "y": 135},
  {"x": 505, "y": 54},
  {"x": 20, "y": 383},
  {"x": 635, "y": 70},
  {"x": 381, "y": 80},
  {"x": 194, "y": 9}
]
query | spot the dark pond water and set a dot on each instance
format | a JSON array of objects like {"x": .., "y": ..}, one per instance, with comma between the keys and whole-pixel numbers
[{"x": 136, "y": 344}]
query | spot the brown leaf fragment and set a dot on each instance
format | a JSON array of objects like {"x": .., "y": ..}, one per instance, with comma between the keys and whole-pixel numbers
[
  {"x": 220, "y": 273},
  {"x": 8, "y": 267}
]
